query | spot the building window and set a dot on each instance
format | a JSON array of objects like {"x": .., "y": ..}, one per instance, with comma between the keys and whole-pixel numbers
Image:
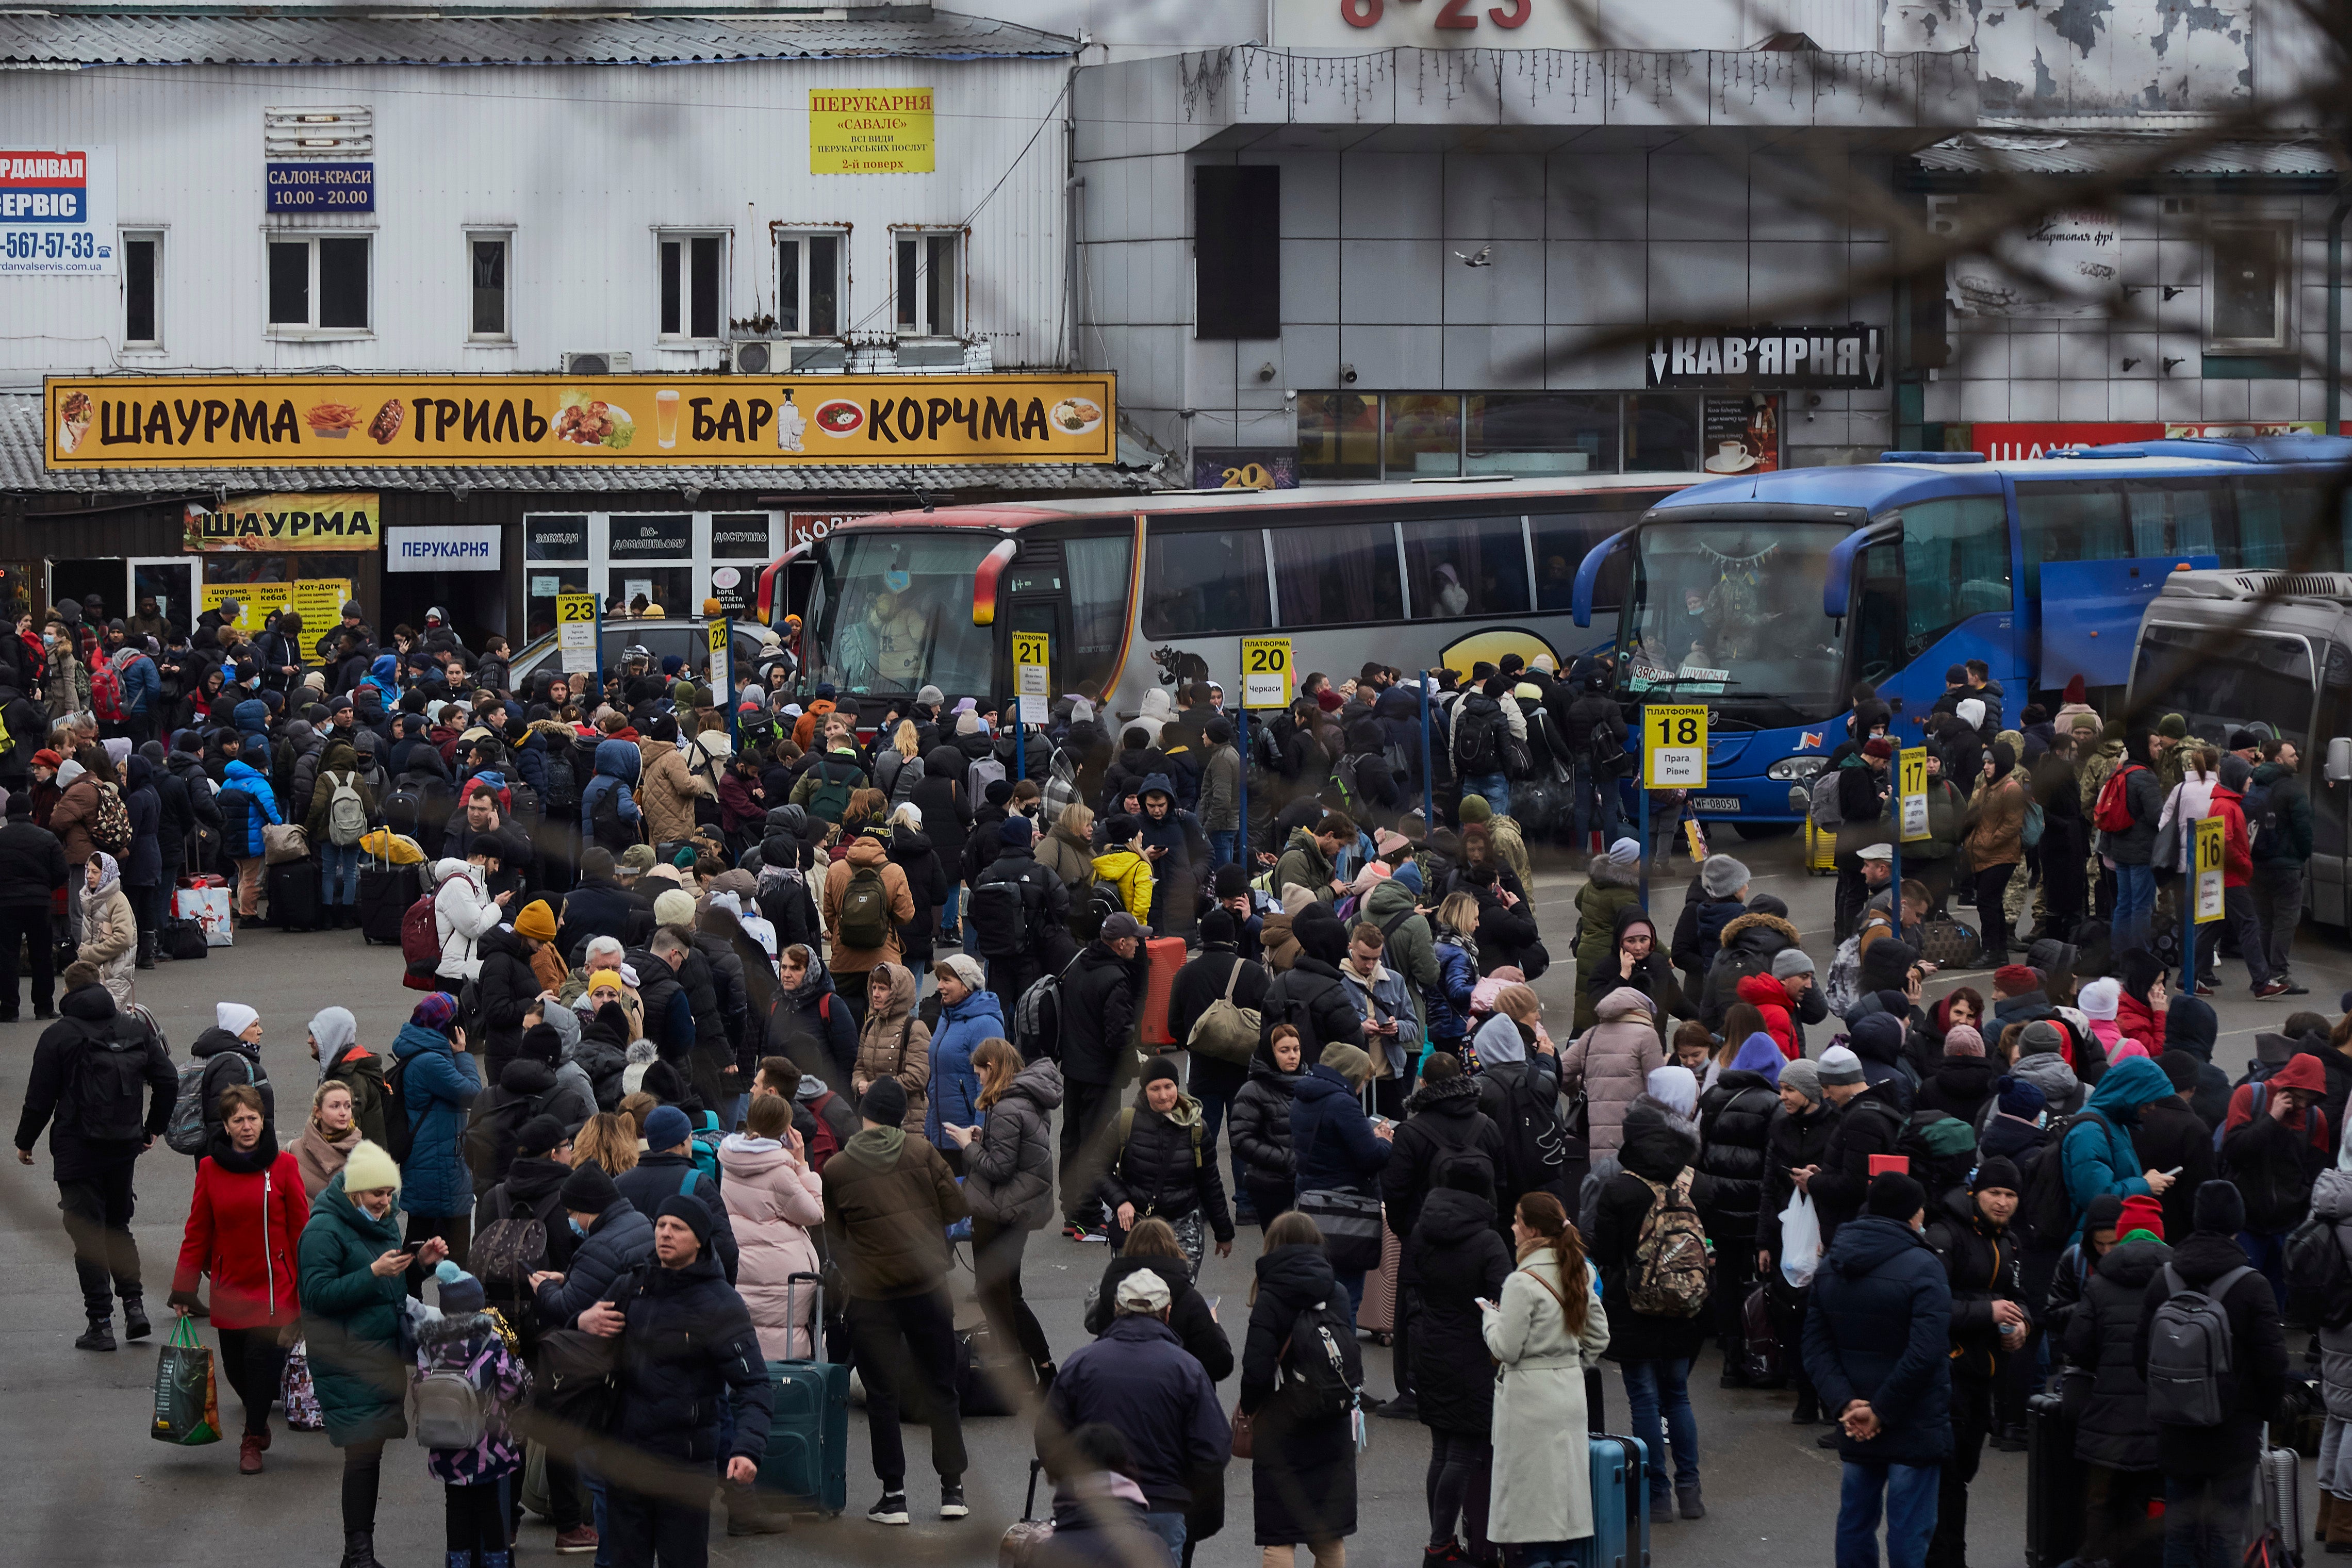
[
  {"x": 486, "y": 269},
  {"x": 808, "y": 283},
  {"x": 1338, "y": 435},
  {"x": 692, "y": 285},
  {"x": 1237, "y": 251},
  {"x": 318, "y": 284},
  {"x": 929, "y": 284},
  {"x": 1511, "y": 433},
  {"x": 142, "y": 291},
  {"x": 2251, "y": 276}
]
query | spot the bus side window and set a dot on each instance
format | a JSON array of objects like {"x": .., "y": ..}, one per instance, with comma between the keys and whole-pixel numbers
[
  {"x": 1954, "y": 565},
  {"x": 2329, "y": 805},
  {"x": 1466, "y": 566},
  {"x": 1336, "y": 575},
  {"x": 1211, "y": 580},
  {"x": 2175, "y": 519},
  {"x": 2276, "y": 520},
  {"x": 2069, "y": 522},
  {"x": 1098, "y": 608}
]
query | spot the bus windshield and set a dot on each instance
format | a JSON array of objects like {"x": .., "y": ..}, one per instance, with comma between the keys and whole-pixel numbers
[
  {"x": 891, "y": 613},
  {"x": 2220, "y": 681},
  {"x": 1731, "y": 613}
]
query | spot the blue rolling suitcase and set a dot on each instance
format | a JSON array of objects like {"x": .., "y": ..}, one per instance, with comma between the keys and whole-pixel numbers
[
  {"x": 807, "y": 1461},
  {"x": 1621, "y": 1507}
]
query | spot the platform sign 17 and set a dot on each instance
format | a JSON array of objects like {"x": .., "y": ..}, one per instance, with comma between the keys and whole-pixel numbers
[
  {"x": 1674, "y": 747},
  {"x": 1913, "y": 771}
]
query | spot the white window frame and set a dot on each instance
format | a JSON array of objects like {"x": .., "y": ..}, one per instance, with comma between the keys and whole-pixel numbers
[
  {"x": 156, "y": 235},
  {"x": 798, "y": 238},
  {"x": 683, "y": 238},
  {"x": 503, "y": 235},
  {"x": 311, "y": 330},
  {"x": 923, "y": 326},
  {"x": 2281, "y": 233}
]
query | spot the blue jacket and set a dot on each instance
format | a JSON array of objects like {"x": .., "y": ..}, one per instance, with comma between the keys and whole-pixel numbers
[
  {"x": 384, "y": 676},
  {"x": 530, "y": 764},
  {"x": 2096, "y": 1159},
  {"x": 1332, "y": 1140},
  {"x": 247, "y": 803},
  {"x": 619, "y": 1242},
  {"x": 437, "y": 1084},
  {"x": 251, "y": 717},
  {"x": 1139, "y": 1377},
  {"x": 617, "y": 769},
  {"x": 141, "y": 684},
  {"x": 1879, "y": 1329},
  {"x": 1448, "y": 1001},
  {"x": 955, "y": 1087}
]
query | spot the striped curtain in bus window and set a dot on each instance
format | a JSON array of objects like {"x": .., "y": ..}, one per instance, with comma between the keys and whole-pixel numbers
[
  {"x": 2274, "y": 522},
  {"x": 2168, "y": 520},
  {"x": 1098, "y": 572},
  {"x": 1466, "y": 566},
  {"x": 1337, "y": 576}
]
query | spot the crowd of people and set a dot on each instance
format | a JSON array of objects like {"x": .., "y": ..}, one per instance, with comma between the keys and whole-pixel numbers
[{"x": 739, "y": 1022}]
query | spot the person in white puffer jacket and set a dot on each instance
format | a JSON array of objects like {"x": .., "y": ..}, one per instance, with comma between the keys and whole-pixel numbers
[{"x": 463, "y": 910}]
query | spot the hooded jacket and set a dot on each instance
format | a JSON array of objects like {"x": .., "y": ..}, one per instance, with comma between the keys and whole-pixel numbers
[
  {"x": 1610, "y": 888},
  {"x": 2272, "y": 1161},
  {"x": 688, "y": 1344},
  {"x": 1455, "y": 1256},
  {"x": 2289, "y": 802},
  {"x": 1613, "y": 1061},
  {"x": 619, "y": 1242},
  {"x": 1654, "y": 1151},
  {"x": 1331, "y": 1141},
  {"x": 1009, "y": 1169},
  {"x": 351, "y": 1317},
  {"x": 813, "y": 1014},
  {"x": 888, "y": 1199},
  {"x": 1750, "y": 944},
  {"x": 1735, "y": 1120},
  {"x": 2098, "y": 1158},
  {"x": 436, "y": 1086},
  {"x": 667, "y": 791},
  {"x": 1879, "y": 1330},
  {"x": 1443, "y": 1121},
  {"x": 248, "y": 804},
  {"x": 2112, "y": 1427},
  {"x": 868, "y": 854},
  {"x": 617, "y": 762},
  {"x": 1980, "y": 1262},
  {"x": 895, "y": 1043},
  {"x": 463, "y": 912}
]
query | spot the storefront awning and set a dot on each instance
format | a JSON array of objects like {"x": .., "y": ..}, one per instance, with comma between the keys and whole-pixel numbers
[{"x": 24, "y": 471}]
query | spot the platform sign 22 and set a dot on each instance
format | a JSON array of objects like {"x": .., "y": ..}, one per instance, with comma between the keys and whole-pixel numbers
[{"x": 1674, "y": 747}]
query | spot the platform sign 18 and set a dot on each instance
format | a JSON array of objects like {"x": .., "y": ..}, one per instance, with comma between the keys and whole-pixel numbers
[{"x": 1674, "y": 747}]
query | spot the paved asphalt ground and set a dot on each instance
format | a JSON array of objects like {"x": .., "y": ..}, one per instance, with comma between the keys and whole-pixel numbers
[{"x": 86, "y": 1486}]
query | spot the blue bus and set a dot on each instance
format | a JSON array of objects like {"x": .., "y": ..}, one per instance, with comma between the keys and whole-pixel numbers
[{"x": 1772, "y": 598}]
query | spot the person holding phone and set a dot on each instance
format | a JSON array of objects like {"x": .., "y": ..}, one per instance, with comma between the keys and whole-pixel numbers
[{"x": 352, "y": 1271}]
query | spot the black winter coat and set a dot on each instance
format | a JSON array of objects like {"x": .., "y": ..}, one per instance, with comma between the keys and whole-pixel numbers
[
  {"x": 657, "y": 1177},
  {"x": 32, "y": 864},
  {"x": 1871, "y": 1123},
  {"x": 2250, "y": 1390},
  {"x": 2171, "y": 1134},
  {"x": 507, "y": 987},
  {"x": 1735, "y": 1125},
  {"x": 1654, "y": 1150},
  {"x": 911, "y": 851},
  {"x": 1454, "y": 1255},
  {"x": 689, "y": 1344},
  {"x": 1441, "y": 1120},
  {"x": 1310, "y": 998},
  {"x": 1100, "y": 993},
  {"x": 1791, "y": 1142},
  {"x": 620, "y": 1241},
  {"x": 1304, "y": 1472},
  {"x": 595, "y": 907},
  {"x": 1506, "y": 931},
  {"x": 1958, "y": 1086},
  {"x": 1199, "y": 983},
  {"x": 1188, "y": 1311},
  {"x": 947, "y": 811},
  {"x": 2110, "y": 1426},
  {"x": 1260, "y": 1123},
  {"x": 1980, "y": 1264},
  {"x": 1166, "y": 1168},
  {"x": 1879, "y": 1329}
]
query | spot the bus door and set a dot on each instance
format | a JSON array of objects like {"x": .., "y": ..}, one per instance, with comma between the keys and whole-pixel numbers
[
  {"x": 1936, "y": 596},
  {"x": 2331, "y": 801}
]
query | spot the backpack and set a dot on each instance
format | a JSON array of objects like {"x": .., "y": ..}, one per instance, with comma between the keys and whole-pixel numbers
[
  {"x": 704, "y": 1148},
  {"x": 903, "y": 779},
  {"x": 399, "y": 1134},
  {"x": 2189, "y": 1351},
  {"x": 864, "y": 918},
  {"x": 996, "y": 920},
  {"x": 108, "y": 1089},
  {"x": 1476, "y": 747},
  {"x": 1611, "y": 760},
  {"x": 1828, "y": 811},
  {"x": 1322, "y": 1366},
  {"x": 523, "y": 799},
  {"x": 831, "y": 797},
  {"x": 1225, "y": 1031},
  {"x": 446, "y": 1409},
  {"x": 2113, "y": 813},
  {"x": 185, "y": 1133},
  {"x": 2035, "y": 820},
  {"x": 563, "y": 784},
  {"x": 420, "y": 944},
  {"x": 1519, "y": 761},
  {"x": 987, "y": 771},
  {"x": 2317, "y": 1272},
  {"x": 347, "y": 822},
  {"x": 2049, "y": 1209},
  {"x": 1037, "y": 1018},
  {"x": 1103, "y": 902},
  {"x": 110, "y": 825},
  {"x": 404, "y": 813},
  {"x": 106, "y": 691},
  {"x": 1670, "y": 1257},
  {"x": 2261, "y": 816},
  {"x": 836, "y": 1123},
  {"x": 611, "y": 830},
  {"x": 1841, "y": 991}
]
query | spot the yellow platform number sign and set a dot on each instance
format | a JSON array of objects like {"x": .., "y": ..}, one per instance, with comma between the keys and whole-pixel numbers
[
  {"x": 1674, "y": 747},
  {"x": 1266, "y": 672}
]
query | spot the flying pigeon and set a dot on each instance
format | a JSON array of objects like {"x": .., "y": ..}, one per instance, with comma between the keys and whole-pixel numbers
[{"x": 1486, "y": 257}]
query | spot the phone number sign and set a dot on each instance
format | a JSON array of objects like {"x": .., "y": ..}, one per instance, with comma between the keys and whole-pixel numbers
[{"x": 56, "y": 212}]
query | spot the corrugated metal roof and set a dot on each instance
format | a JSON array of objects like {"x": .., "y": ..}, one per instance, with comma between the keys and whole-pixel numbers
[
  {"x": 41, "y": 40},
  {"x": 23, "y": 470},
  {"x": 2037, "y": 151}
]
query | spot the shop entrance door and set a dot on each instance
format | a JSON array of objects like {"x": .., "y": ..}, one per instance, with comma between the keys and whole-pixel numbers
[
  {"x": 78, "y": 579},
  {"x": 170, "y": 581}
]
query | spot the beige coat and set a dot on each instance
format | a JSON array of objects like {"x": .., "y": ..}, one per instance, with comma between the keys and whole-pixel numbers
[
  {"x": 665, "y": 791},
  {"x": 893, "y": 1043},
  {"x": 865, "y": 851},
  {"x": 1612, "y": 1060},
  {"x": 109, "y": 939},
  {"x": 1540, "y": 1488}
]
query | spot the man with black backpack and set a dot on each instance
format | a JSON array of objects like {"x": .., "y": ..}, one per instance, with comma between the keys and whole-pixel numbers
[
  {"x": 88, "y": 1069},
  {"x": 1017, "y": 915},
  {"x": 1102, "y": 990},
  {"x": 2213, "y": 1354}
]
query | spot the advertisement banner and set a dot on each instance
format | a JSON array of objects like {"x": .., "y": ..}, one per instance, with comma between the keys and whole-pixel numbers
[
  {"x": 452, "y": 547},
  {"x": 56, "y": 212},
  {"x": 2010, "y": 443},
  {"x": 2065, "y": 265},
  {"x": 1826, "y": 357},
  {"x": 807, "y": 527},
  {"x": 1741, "y": 435},
  {"x": 1246, "y": 468},
  {"x": 340, "y": 421},
  {"x": 870, "y": 130},
  {"x": 317, "y": 186},
  {"x": 346, "y": 521},
  {"x": 318, "y": 601}
]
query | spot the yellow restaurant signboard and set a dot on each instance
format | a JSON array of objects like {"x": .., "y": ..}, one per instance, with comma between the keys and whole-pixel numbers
[{"x": 358, "y": 422}]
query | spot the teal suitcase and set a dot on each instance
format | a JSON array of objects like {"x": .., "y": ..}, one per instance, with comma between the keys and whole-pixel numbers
[{"x": 807, "y": 1462}]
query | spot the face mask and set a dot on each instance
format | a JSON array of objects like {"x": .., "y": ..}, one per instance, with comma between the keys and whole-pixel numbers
[{"x": 575, "y": 1228}]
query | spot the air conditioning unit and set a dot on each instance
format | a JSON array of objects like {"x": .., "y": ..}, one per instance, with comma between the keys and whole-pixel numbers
[
  {"x": 604, "y": 363},
  {"x": 755, "y": 356}
]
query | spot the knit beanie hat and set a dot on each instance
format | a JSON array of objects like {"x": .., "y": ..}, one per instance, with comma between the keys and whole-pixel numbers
[
  {"x": 370, "y": 1168},
  {"x": 588, "y": 1189},
  {"x": 1962, "y": 1039},
  {"x": 2041, "y": 1037},
  {"x": 1894, "y": 1195},
  {"x": 1805, "y": 1078},
  {"x": 1720, "y": 876},
  {"x": 1474, "y": 809},
  {"x": 460, "y": 1291},
  {"x": 537, "y": 921},
  {"x": 2022, "y": 1099},
  {"x": 2140, "y": 1212},
  {"x": 884, "y": 1102},
  {"x": 675, "y": 907},
  {"x": 2100, "y": 998},
  {"x": 1158, "y": 1068},
  {"x": 541, "y": 1135},
  {"x": 692, "y": 1211},
  {"x": 1839, "y": 1066},
  {"x": 1997, "y": 1172},
  {"x": 2220, "y": 1209},
  {"x": 1790, "y": 961},
  {"x": 2179, "y": 1070}
]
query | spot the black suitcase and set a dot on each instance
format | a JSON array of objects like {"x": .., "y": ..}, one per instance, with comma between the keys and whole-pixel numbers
[
  {"x": 293, "y": 887},
  {"x": 386, "y": 893},
  {"x": 2054, "y": 1483}
]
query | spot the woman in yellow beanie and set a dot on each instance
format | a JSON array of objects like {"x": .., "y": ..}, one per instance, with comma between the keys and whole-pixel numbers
[{"x": 535, "y": 926}]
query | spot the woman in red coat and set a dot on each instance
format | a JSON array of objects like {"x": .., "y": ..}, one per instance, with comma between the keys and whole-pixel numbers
[{"x": 245, "y": 1229}]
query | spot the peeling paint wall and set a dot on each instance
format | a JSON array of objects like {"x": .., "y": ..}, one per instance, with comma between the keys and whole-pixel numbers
[{"x": 2088, "y": 56}]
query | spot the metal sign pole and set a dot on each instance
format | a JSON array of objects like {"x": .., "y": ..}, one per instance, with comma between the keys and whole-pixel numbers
[
  {"x": 2189, "y": 906},
  {"x": 1428, "y": 771},
  {"x": 1642, "y": 711},
  {"x": 1241, "y": 772}
]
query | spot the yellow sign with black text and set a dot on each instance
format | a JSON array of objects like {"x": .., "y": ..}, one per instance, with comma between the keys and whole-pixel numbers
[
  {"x": 351, "y": 521},
  {"x": 1267, "y": 673},
  {"x": 870, "y": 130},
  {"x": 1674, "y": 747},
  {"x": 2212, "y": 849},
  {"x": 1912, "y": 768},
  {"x": 398, "y": 421}
]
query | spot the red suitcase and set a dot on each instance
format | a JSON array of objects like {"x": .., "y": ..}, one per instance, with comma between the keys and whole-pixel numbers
[{"x": 1165, "y": 955}]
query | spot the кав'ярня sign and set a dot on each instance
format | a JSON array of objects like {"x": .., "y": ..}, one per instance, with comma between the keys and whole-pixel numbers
[{"x": 347, "y": 422}]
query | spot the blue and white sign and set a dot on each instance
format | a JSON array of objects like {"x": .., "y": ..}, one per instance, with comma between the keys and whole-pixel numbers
[
  {"x": 56, "y": 212},
  {"x": 457, "y": 547},
  {"x": 321, "y": 186}
]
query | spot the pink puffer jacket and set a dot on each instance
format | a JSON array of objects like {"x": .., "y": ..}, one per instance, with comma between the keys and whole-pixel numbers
[
  {"x": 1612, "y": 1060},
  {"x": 774, "y": 1201}
]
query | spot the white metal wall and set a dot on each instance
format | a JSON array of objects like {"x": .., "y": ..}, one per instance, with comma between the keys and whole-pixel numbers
[{"x": 585, "y": 163}]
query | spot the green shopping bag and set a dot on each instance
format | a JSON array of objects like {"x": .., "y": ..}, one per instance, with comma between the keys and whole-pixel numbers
[{"x": 187, "y": 1403}]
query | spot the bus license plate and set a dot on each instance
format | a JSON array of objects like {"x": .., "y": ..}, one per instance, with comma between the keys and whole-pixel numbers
[{"x": 1719, "y": 804}]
